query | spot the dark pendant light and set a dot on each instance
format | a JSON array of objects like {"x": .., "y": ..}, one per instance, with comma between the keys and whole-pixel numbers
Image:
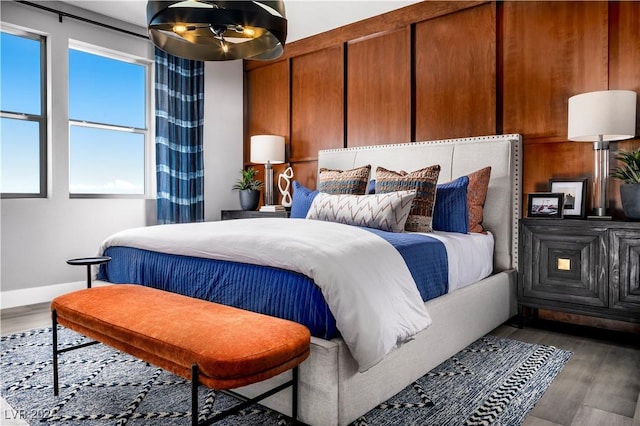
[{"x": 218, "y": 30}]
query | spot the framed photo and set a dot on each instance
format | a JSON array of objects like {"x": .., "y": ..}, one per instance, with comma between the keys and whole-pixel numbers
[
  {"x": 575, "y": 196},
  {"x": 545, "y": 204}
]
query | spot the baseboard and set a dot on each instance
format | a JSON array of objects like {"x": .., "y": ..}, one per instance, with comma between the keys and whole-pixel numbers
[{"x": 35, "y": 295}]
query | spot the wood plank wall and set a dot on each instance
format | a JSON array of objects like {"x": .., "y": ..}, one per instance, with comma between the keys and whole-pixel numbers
[{"x": 440, "y": 69}]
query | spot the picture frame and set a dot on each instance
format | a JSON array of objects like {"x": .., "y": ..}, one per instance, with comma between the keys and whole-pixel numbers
[
  {"x": 575, "y": 196},
  {"x": 545, "y": 205}
]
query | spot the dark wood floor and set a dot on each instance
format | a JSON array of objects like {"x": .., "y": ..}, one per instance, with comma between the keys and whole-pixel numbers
[{"x": 599, "y": 386}]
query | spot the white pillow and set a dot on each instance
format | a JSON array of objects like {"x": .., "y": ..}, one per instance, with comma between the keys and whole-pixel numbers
[{"x": 388, "y": 211}]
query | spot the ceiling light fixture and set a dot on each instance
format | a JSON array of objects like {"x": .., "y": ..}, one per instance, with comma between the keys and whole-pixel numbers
[{"x": 218, "y": 30}]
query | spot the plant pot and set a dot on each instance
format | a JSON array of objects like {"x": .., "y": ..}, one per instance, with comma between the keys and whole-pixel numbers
[
  {"x": 249, "y": 199},
  {"x": 630, "y": 197}
]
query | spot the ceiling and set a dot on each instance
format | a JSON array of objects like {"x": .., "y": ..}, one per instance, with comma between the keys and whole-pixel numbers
[{"x": 305, "y": 17}]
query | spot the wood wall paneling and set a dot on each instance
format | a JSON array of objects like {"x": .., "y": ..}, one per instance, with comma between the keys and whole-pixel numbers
[
  {"x": 624, "y": 48},
  {"x": 569, "y": 156},
  {"x": 455, "y": 75},
  {"x": 317, "y": 98},
  {"x": 552, "y": 51},
  {"x": 389, "y": 21},
  {"x": 379, "y": 89},
  {"x": 306, "y": 172},
  {"x": 267, "y": 103}
]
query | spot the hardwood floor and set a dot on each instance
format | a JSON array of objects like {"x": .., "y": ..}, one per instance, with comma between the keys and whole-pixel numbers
[{"x": 599, "y": 386}]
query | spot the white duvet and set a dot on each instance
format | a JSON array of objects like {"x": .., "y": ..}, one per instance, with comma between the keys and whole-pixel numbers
[{"x": 363, "y": 278}]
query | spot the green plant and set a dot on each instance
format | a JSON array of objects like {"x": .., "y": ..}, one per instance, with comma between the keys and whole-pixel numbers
[
  {"x": 248, "y": 180},
  {"x": 629, "y": 172}
]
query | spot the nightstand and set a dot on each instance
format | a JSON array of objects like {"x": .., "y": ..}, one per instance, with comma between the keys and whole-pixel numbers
[
  {"x": 585, "y": 267},
  {"x": 248, "y": 214}
]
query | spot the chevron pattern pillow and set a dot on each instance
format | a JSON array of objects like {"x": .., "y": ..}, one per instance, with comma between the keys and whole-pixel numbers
[
  {"x": 352, "y": 181},
  {"x": 387, "y": 212},
  {"x": 422, "y": 181}
]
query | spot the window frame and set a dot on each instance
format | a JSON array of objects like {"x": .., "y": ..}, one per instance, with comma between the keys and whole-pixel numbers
[
  {"x": 41, "y": 119},
  {"x": 123, "y": 57}
]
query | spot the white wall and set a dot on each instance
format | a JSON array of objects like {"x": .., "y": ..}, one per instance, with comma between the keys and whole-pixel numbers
[
  {"x": 37, "y": 236},
  {"x": 223, "y": 135}
]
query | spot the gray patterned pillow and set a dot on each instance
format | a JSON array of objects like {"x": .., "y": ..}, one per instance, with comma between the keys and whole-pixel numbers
[
  {"x": 424, "y": 182},
  {"x": 387, "y": 212},
  {"x": 352, "y": 181}
]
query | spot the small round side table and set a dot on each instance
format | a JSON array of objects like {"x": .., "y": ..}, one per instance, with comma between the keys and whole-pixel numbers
[{"x": 89, "y": 261}]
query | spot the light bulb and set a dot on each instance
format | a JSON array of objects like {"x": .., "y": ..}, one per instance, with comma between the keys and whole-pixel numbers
[{"x": 179, "y": 28}]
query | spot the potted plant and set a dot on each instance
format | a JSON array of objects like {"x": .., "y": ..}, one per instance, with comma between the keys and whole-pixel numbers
[
  {"x": 629, "y": 174},
  {"x": 249, "y": 189}
]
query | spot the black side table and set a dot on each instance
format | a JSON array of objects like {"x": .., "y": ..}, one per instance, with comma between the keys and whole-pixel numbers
[{"x": 89, "y": 261}]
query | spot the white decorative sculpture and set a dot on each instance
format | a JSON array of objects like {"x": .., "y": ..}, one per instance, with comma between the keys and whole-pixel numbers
[{"x": 286, "y": 176}]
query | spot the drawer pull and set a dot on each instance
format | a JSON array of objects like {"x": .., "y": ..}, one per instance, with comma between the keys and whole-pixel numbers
[{"x": 564, "y": 264}]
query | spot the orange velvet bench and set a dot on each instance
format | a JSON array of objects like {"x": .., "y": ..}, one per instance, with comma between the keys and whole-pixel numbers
[{"x": 219, "y": 346}]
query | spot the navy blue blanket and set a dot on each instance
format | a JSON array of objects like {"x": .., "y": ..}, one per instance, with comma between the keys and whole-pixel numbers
[{"x": 268, "y": 290}]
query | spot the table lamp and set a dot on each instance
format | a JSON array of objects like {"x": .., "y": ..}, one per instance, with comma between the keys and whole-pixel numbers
[
  {"x": 267, "y": 150},
  {"x": 600, "y": 117}
]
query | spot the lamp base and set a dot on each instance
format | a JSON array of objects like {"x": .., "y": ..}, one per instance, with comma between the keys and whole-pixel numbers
[
  {"x": 600, "y": 201},
  {"x": 268, "y": 184}
]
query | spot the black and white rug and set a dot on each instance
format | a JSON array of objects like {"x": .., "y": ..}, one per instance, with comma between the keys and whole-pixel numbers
[{"x": 494, "y": 381}]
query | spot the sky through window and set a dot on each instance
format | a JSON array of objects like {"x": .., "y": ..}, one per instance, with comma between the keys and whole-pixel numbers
[{"x": 107, "y": 113}]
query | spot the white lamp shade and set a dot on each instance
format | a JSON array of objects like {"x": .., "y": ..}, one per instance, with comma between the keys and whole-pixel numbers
[
  {"x": 608, "y": 113},
  {"x": 267, "y": 149}
]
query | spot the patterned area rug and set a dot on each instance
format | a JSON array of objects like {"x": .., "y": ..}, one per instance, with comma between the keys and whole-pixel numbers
[{"x": 494, "y": 381}]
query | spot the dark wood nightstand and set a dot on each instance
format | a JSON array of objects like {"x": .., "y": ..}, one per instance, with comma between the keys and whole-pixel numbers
[
  {"x": 586, "y": 267},
  {"x": 248, "y": 214}
]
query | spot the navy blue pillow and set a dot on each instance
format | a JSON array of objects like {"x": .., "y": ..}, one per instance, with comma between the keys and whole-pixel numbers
[
  {"x": 301, "y": 200},
  {"x": 450, "y": 212}
]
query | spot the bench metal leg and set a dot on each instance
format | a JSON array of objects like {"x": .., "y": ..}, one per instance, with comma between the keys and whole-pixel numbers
[
  {"x": 246, "y": 402},
  {"x": 54, "y": 320},
  {"x": 56, "y": 351},
  {"x": 194, "y": 395},
  {"x": 294, "y": 395}
]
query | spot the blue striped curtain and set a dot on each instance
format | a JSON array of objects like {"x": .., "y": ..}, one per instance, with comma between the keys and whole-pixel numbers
[{"x": 179, "y": 126}]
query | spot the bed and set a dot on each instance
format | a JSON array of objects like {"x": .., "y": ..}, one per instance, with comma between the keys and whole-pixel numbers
[{"x": 343, "y": 377}]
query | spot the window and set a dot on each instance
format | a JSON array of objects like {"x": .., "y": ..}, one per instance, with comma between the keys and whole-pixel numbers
[
  {"x": 107, "y": 124},
  {"x": 23, "y": 121}
]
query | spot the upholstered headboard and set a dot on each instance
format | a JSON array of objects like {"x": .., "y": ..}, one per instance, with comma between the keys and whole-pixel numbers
[{"x": 456, "y": 157}]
